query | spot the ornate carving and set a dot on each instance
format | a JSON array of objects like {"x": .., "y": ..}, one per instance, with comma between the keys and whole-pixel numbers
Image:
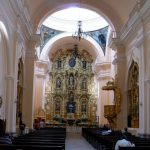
[
  {"x": 111, "y": 111},
  {"x": 71, "y": 84},
  {"x": 133, "y": 96}
]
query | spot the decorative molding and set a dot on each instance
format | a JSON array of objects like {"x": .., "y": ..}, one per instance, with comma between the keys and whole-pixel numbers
[
  {"x": 119, "y": 58},
  {"x": 104, "y": 77},
  {"x": 136, "y": 19},
  {"x": 36, "y": 38},
  {"x": 30, "y": 54},
  {"x": 147, "y": 81},
  {"x": 40, "y": 75},
  {"x": 10, "y": 77}
]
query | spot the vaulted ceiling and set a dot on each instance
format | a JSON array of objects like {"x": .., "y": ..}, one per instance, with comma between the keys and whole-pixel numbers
[{"x": 116, "y": 12}]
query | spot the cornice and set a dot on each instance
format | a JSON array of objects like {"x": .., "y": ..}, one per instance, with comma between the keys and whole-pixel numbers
[
  {"x": 104, "y": 76},
  {"x": 136, "y": 20},
  {"x": 115, "y": 43}
]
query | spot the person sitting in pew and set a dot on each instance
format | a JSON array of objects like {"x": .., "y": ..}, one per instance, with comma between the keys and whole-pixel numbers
[
  {"x": 5, "y": 139},
  {"x": 42, "y": 123},
  {"x": 126, "y": 133},
  {"x": 123, "y": 142}
]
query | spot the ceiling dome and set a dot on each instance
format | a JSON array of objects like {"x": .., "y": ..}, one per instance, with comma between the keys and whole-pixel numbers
[{"x": 67, "y": 19}]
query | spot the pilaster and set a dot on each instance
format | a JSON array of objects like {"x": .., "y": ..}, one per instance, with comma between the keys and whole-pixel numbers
[
  {"x": 10, "y": 108},
  {"x": 120, "y": 68}
]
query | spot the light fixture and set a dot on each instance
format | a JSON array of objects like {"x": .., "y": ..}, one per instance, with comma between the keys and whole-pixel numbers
[
  {"x": 75, "y": 51},
  {"x": 79, "y": 34}
]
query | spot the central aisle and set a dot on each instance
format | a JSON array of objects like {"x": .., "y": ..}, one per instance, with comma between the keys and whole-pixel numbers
[{"x": 75, "y": 141}]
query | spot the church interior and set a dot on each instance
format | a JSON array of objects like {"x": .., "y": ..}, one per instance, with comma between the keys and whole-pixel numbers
[{"x": 81, "y": 63}]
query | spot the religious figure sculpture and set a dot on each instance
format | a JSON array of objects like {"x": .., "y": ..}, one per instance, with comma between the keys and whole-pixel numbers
[
  {"x": 71, "y": 80},
  {"x": 84, "y": 83},
  {"x": 71, "y": 104},
  {"x": 58, "y": 83}
]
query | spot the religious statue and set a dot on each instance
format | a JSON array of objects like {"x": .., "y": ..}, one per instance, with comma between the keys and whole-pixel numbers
[
  {"x": 71, "y": 80},
  {"x": 70, "y": 107},
  {"x": 71, "y": 97},
  {"x": 84, "y": 84},
  {"x": 84, "y": 64},
  {"x": 71, "y": 103},
  {"x": 58, "y": 83},
  {"x": 83, "y": 108}
]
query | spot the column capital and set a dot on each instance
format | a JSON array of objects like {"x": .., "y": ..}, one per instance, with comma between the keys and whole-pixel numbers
[
  {"x": 30, "y": 54},
  {"x": 116, "y": 44},
  {"x": 36, "y": 39}
]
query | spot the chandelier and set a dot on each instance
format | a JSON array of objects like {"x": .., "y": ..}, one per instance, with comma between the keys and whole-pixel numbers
[{"x": 79, "y": 34}]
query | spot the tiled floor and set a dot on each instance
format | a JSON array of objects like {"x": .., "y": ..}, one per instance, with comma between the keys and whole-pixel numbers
[{"x": 74, "y": 141}]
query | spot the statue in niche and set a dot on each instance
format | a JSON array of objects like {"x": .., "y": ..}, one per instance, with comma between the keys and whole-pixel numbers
[
  {"x": 59, "y": 63},
  {"x": 71, "y": 97},
  {"x": 71, "y": 80},
  {"x": 84, "y": 83},
  {"x": 71, "y": 104},
  {"x": 58, "y": 83},
  {"x": 84, "y": 64},
  {"x": 94, "y": 108},
  {"x": 57, "y": 106},
  {"x": 83, "y": 108}
]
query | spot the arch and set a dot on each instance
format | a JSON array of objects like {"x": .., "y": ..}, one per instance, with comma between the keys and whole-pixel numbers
[
  {"x": 88, "y": 40},
  {"x": 102, "y": 8}
]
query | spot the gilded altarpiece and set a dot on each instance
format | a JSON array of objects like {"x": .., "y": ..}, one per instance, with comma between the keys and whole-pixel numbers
[
  {"x": 70, "y": 91},
  {"x": 133, "y": 96}
]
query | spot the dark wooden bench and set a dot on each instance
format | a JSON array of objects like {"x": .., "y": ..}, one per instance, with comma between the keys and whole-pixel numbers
[
  {"x": 44, "y": 139},
  {"x": 108, "y": 142},
  {"x": 135, "y": 148},
  {"x": 30, "y": 147}
]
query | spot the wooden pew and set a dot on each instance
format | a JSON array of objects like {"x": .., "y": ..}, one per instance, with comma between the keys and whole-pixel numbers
[
  {"x": 30, "y": 147},
  {"x": 101, "y": 142},
  {"x": 135, "y": 148}
]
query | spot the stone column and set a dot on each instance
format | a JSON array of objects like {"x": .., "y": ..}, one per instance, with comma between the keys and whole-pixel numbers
[
  {"x": 28, "y": 97},
  {"x": 10, "y": 105},
  {"x": 120, "y": 71},
  {"x": 145, "y": 83},
  {"x": 27, "y": 115}
]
